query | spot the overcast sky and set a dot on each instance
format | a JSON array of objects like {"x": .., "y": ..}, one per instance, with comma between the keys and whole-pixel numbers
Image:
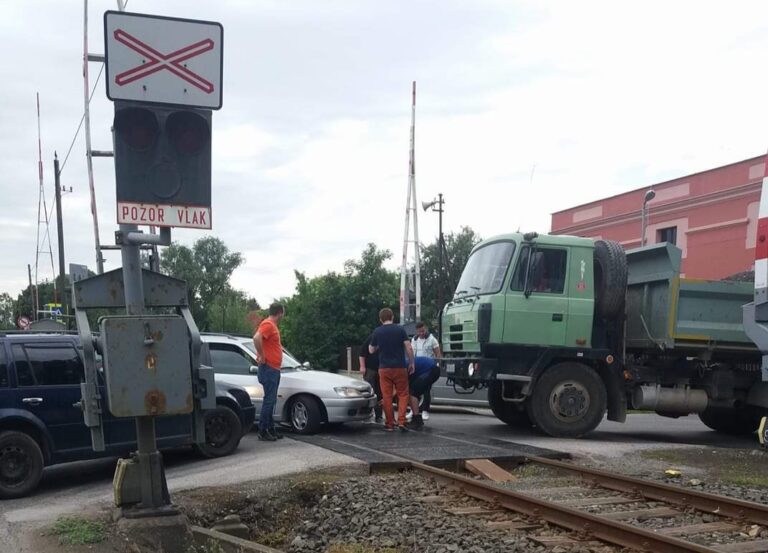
[{"x": 523, "y": 108}]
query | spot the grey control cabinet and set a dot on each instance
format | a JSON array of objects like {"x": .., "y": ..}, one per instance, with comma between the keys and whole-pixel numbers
[{"x": 147, "y": 365}]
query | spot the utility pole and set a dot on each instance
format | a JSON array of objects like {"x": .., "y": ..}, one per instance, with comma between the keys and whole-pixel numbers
[
  {"x": 32, "y": 293},
  {"x": 437, "y": 206},
  {"x": 59, "y": 226},
  {"x": 406, "y": 314}
]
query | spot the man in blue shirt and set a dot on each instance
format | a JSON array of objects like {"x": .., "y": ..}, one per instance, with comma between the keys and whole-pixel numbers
[{"x": 426, "y": 372}]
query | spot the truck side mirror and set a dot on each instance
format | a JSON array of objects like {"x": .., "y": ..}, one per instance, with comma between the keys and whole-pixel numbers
[{"x": 527, "y": 289}]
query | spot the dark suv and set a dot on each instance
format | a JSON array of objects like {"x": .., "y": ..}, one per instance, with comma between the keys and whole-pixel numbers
[{"x": 40, "y": 376}]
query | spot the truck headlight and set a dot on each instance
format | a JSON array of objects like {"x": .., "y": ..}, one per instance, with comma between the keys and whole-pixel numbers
[
  {"x": 349, "y": 391},
  {"x": 255, "y": 392}
]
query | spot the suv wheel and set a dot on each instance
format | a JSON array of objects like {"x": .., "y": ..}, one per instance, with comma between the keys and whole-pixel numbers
[
  {"x": 223, "y": 431},
  {"x": 21, "y": 464}
]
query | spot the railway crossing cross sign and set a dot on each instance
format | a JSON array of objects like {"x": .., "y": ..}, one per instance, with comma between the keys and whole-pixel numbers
[{"x": 163, "y": 60}]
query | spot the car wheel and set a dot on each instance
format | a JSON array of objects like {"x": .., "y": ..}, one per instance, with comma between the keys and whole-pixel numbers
[
  {"x": 223, "y": 431},
  {"x": 306, "y": 415},
  {"x": 568, "y": 400},
  {"x": 21, "y": 464}
]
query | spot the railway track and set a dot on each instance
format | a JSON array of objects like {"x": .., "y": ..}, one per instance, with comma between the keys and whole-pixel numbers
[{"x": 643, "y": 500}]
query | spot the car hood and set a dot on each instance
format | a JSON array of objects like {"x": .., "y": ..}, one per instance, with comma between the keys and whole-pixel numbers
[{"x": 322, "y": 377}]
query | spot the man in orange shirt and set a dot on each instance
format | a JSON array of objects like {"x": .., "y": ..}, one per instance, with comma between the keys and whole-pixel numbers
[{"x": 269, "y": 355}]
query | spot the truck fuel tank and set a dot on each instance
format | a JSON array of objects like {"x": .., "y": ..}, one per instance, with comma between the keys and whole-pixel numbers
[{"x": 669, "y": 401}]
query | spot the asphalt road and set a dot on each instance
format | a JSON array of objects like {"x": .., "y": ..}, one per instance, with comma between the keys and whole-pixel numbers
[{"x": 610, "y": 439}]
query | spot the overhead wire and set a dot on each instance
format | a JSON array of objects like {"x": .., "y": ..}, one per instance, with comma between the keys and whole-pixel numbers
[{"x": 80, "y": 125}]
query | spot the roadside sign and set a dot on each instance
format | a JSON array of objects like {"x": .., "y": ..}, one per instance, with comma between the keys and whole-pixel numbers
[
  {"x": 77, "y": 272},
  {"x": 163, "y": 60},
  {"x": 23, "y": 323}
]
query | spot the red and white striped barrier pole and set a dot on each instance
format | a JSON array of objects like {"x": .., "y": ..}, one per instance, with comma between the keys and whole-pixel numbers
[{"x": 761, "y": 253}]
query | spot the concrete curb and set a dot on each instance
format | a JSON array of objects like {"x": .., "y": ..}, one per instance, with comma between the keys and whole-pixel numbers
[{"x": 229, "y": 544}]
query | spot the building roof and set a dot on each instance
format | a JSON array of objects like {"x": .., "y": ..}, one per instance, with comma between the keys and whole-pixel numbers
[{"x": 661, "y": 184}]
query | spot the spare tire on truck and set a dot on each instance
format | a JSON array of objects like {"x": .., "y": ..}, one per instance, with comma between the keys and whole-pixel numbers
[{"x": 610, "y": 264}]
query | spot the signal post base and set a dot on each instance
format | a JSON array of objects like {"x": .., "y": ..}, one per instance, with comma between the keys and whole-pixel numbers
[{"x": 170, "y": 534}]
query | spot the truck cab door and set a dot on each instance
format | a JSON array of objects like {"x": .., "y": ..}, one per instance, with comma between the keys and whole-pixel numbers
[{"x": 536, "y": 310}]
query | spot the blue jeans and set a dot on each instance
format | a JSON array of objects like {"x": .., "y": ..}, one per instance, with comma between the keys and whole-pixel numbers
[{"x": 269, "y": 378}]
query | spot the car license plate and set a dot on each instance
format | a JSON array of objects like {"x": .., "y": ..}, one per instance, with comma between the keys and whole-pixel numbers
[{"x": 450, "y": 368}]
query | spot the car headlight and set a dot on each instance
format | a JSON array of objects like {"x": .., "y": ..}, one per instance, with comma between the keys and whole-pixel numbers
[
  {"x": 349, "y": 391},
  {"x": 255, "y": 392}
]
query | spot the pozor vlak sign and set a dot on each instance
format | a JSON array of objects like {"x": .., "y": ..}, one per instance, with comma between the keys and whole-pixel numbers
[{"x": 164, "y": 75}]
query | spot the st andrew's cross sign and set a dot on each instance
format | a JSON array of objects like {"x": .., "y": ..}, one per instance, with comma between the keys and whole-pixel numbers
[{"x": 163, "y": 60}]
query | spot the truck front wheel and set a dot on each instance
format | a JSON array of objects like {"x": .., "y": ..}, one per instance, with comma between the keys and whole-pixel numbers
[
  {"x": 506, "y": 411},
  {"x": 568, "y": 400}
]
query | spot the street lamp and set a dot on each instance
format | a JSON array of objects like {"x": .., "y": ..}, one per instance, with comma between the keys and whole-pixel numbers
[
  {"x": 648, "y": 197},
  {"x": 437, "y": 206}
]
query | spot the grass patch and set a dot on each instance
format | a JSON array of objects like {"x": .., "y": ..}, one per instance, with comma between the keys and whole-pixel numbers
[
  {"x": 729, "y": 466},
  {"x": 529, "y": 470},
  {"x": 211, "y": 547},
  {"x": 750, "y": 480},
  {"x": 274, "y": 538},
  {"x": 79, "y": 531},
  {"x": 666, "y": 455},
  {"x": 360, "y": 548}
]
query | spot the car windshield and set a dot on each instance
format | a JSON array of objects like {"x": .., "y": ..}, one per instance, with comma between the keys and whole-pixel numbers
[
  {"x": 485, "y": 270},
  {"x": 289, "y": 361}
]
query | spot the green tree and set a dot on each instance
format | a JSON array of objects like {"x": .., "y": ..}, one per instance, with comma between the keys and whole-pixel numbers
[
  {"x": 335, "y": 310},
  {"x": 25, "y": 302},
  {"x": 7, "y": 312},
  {"x": 206, "y": 267},
  {"x": 458, "y": 247},
  {"x": 230, "y": 311}
]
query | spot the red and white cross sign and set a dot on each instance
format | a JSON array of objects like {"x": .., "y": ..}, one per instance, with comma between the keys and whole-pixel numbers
[{"x": 163, "y": 60}]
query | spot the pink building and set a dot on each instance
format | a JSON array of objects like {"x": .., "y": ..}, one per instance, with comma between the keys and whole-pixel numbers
[{"x": 711, "y": 216}]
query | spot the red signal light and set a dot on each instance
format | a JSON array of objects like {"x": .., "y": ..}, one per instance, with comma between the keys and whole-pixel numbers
[
  {"x": 188, "y": 132},
  {"x": 137, "y": 127}
]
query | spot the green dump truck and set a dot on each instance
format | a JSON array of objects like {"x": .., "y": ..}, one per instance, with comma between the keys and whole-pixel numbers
[{"x": 561, "y": 329}]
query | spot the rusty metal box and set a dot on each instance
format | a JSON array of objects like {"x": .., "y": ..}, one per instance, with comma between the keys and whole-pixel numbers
[{"x": 147, "y": 365}]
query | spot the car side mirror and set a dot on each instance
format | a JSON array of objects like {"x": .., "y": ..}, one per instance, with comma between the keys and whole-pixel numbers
[
  {"x": 254, "y": 369},
  {"x": 306, "y": 365}
]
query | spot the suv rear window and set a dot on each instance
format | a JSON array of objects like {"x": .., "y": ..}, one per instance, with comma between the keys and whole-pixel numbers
[{"x": 47, "y": 365}]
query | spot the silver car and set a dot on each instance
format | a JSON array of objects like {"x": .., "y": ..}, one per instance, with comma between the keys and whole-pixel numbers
[
  {"x": 448, "y": 394},
  {"x": 306, "y": 399}
]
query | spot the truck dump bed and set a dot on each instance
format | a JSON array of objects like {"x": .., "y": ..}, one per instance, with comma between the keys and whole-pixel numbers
[{"x": 667, "y": 312}]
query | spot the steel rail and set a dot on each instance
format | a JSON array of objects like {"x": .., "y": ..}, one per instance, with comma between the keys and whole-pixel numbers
[
  {"x": 702, "y": 501},
  {"x": 607, "y": 530}
]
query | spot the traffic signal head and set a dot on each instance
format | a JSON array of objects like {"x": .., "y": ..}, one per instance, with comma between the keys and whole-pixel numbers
[{"x": 162, "y": 154}]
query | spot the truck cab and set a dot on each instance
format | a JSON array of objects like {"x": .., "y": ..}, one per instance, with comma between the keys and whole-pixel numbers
[{"x": 526, "y": 290}]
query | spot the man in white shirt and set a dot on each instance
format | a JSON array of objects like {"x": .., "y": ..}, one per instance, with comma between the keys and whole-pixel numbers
[{"x": 425, "y": 345}]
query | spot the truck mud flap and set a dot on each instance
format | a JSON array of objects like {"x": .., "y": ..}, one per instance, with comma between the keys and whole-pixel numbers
[{"x": 617, "y": 398}]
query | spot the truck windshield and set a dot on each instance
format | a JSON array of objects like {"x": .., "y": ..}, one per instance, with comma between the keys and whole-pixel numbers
[{"x": 485, "y": 270}]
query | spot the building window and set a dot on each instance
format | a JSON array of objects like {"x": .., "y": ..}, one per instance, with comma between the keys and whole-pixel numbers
[{"x": 667, "y": 235}]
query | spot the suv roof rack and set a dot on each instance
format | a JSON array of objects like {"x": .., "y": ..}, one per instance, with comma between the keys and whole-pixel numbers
[{"x": 37, "y": 332}]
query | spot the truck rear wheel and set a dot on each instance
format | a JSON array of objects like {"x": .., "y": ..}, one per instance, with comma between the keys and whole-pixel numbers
[
  {"x": 735, "y": 422},
  {"x": 568, "y": 400},
  {"x": 610, "y": 278},
  {"x": 506, "y": 411}
]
